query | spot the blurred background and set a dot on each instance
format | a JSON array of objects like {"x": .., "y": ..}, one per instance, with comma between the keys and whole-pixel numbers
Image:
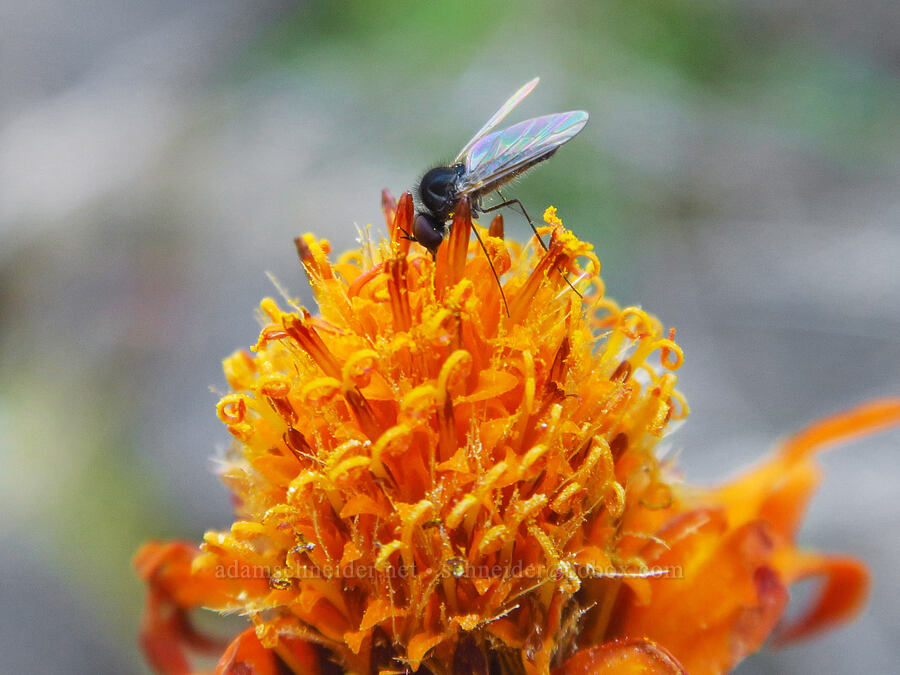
[{"x": 739, "y": 178}]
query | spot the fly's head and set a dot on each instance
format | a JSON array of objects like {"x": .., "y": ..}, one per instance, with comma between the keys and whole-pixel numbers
[{"x": 437, "y": 190}]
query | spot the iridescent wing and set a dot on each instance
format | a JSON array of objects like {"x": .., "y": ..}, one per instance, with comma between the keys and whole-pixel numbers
[
  {"x": 497, "y": 157},
  {"x": 498, "y": 116}
]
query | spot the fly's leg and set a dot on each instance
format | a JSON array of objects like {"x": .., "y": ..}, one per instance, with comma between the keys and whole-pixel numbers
[
  {"x": 496, "y": 276},
  {"x": 510, "y": 202}
]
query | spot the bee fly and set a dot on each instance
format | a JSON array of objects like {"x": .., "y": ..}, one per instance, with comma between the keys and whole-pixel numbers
[{"x": 487, "y": 162}]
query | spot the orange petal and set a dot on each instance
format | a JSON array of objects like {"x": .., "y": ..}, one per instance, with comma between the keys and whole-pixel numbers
[
  {"x": 246, "y": 656},
  {"x": 166, "y": 635},
  {"x": 779, "y": 489},
  {"x": 624, "y": 656},
  {"x": 867, "y": 418},
  {"x": 845, "y": 583},
  {"x": 363, "y": 503},
  {"x": 379, "y": 610},
  {"x": 419, "y": 645},
  {"x": 725, "y": 605},
  {"x": 491, "y": 384}
]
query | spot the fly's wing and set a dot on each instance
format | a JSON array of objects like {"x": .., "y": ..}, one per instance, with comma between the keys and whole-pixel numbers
[
  {"x": 499, "y": 116},
  {"x": 498, "y": 156}
]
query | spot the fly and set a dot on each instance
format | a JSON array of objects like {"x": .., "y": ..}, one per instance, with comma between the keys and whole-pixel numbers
[{"x": 487, "y": 162}]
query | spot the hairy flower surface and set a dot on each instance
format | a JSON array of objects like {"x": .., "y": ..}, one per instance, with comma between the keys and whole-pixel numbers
[{"x": 430, "y": 475}]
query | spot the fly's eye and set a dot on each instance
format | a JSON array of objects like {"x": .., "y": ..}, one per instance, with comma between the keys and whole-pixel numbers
[{"x": 428, "y": 231}]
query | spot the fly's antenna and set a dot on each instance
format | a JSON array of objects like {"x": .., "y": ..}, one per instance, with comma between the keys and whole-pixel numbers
[{"x": 491, "y": 263}]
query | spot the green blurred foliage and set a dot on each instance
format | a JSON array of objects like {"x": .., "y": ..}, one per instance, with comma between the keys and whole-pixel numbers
[{"x": 734, "y": 65}]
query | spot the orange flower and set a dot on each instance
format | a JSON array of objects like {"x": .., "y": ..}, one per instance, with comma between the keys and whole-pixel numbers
[{"x": 426, "y": 482}]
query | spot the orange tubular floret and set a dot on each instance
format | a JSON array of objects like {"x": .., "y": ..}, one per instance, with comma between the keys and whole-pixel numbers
[
  {"x": 402, "y": 225},
  {"x": 450, "y": 261}
]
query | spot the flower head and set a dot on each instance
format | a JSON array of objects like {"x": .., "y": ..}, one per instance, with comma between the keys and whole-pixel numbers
[{"x": 435, "y": 475}]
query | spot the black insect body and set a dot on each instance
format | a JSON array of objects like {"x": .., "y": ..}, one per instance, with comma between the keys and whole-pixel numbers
[{"x": 488, "y": 161}]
